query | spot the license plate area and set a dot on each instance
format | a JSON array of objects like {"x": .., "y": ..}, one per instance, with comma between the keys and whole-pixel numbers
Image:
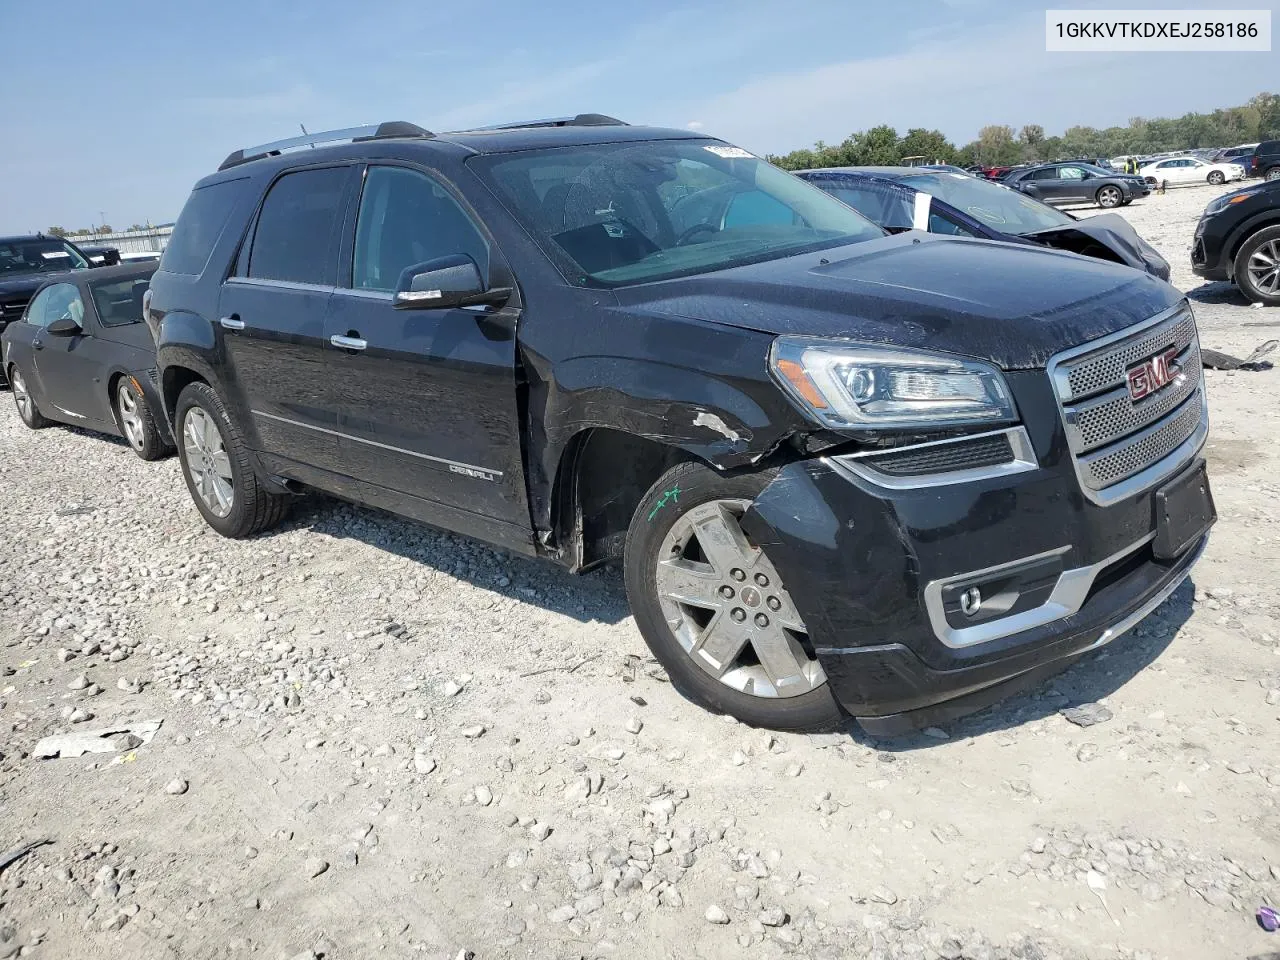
[{"x": 1184, "y": 511}]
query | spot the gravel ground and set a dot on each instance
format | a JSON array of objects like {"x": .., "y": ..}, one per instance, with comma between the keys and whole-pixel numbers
[{"x": 380, "y": 740}]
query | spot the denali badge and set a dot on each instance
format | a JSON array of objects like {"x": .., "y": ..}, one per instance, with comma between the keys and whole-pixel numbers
[{"x": 1152, "y": 374}]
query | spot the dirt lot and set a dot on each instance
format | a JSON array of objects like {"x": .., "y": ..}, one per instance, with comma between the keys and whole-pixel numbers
[{"x": 359, "y": 757}]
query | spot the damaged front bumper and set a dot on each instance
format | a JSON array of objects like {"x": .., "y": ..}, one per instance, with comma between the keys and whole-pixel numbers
[{"x": 883, "y": 570}]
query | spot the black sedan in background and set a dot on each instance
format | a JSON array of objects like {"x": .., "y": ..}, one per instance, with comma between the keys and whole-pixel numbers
[
  {"x": 905, "y": 198},
  {"x": 82, "y": 355},
  {"x": 1238, "y": 238},
  {"x": 1077, "y": 183}
]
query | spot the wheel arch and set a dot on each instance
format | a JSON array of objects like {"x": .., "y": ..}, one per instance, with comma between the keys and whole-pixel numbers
[{"x": 1242, "y": 232}]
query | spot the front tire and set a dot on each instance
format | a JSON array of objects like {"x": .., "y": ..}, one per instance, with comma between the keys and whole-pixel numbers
[
  {"x": 714, "y": 610},
  {"x": 138, "y": 423},
  {"x": 1273, "y": 174},
  {"x": 216, "y": 466},
  {"x": 1258, "y": 267},
  {"x": 1109, "y": 197},
  {"x": 1217, "y": 178},
  {"x": 26, "y": 403}
]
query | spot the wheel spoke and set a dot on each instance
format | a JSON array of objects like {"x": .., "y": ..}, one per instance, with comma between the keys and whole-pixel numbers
[
  {"x": 722, "y": 540},
  {"x": 212, "y": 439},
  {"x": 688, "y": 582},
  {"x": 221, "y": 492},
  {"x": 194, "y": 433},
  {"x": 221, "y": 465},
  {"x": 781, "y": 656},
  {"x": 720, "y": 643}
]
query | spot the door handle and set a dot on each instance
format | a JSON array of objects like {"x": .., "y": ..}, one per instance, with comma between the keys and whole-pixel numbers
[
  {"x": 348, "y": 343},
  {"x": 232, "y": 322},
  {"x": 38, "y": 343}
]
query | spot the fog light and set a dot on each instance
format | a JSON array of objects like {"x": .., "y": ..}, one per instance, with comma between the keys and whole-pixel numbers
[{"x": 971, "y": 601}]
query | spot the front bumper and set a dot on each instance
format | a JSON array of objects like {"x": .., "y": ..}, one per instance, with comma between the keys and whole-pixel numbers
[{"x": 867, "y": 566}]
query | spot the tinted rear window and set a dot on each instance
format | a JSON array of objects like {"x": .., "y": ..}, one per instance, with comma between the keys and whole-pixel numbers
[
  {"x": 199, "y": 227},
  {"x": 293, "y": 239}
]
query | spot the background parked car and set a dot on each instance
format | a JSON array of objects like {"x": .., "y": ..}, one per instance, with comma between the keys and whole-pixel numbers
[
  {"x": 1238, "y": 238},
  {"x": 1078, "y": 183},
  {"x": 1239, "y": 154},
  {"x": 1265, "y": 162},
  {"x": 25, "y": 262},
  {"x": 82, "y": 355},
  {"x": 902, "y": 198},
  {"x": 101, "y": 255},
  {"x": 1185, "y": 171}
]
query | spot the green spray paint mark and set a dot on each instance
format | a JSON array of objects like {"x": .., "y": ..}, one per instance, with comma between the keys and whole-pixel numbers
[{"x": 672, "y": 495}]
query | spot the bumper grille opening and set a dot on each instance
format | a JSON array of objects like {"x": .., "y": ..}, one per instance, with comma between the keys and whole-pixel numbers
[
  {"x": 1116, "y": 572},
  {"x": 985, "y": 451}
]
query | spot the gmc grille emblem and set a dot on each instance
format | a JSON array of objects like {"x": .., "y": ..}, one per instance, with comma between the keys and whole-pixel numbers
[{"x": 1152, "y": 374}]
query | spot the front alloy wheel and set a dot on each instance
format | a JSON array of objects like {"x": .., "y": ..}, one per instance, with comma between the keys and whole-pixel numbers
[
  {"x": 713, "y": 608},
  {"x": 727, "y": 606},
  {"x": 25, "y": 403},
  {"x": 1217, "y": 178},
  {"x": 207, "y": 463},
  {"x": 1110, "y": 197}
]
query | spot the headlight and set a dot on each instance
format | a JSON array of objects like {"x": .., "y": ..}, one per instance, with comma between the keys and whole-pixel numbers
[{"x": 843, "y": 384}]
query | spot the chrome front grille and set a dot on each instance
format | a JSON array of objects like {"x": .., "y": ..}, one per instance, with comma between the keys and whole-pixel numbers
[{"x": 1120, "y": 445}]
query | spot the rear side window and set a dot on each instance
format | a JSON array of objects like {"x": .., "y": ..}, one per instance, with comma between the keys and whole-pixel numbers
[
  {"x": 884, "y": 205},
  {"x": 294, "y": 237},
  {"x": 199, "y": 226}
]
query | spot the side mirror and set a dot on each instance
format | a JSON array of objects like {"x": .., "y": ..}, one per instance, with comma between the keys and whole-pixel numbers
[
  {"x": 446, "y": 282},
  {"x": 63, "y": 327}
]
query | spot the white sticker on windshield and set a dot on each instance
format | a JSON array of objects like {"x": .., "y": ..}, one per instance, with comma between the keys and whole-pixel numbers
[
  {"x": 53, "y": 256},
  {"x": 730, "y": 153}
]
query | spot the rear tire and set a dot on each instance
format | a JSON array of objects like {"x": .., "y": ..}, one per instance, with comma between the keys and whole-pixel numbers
[
  {"x": 217, "y": 468},
  {"x": 688, "y": 565},
  {"x": 1217, "y": 178},
  {"x": 1272, "y": 174},
  {"x": 1258, "y": 267},
  {"x": 138, "y": 423},
  {"x": 27, "y": 409},
  {"x": 1109, "y": 197}
]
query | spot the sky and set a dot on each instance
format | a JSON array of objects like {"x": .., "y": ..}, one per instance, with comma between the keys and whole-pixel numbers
[{"x": 126, "y": 104}]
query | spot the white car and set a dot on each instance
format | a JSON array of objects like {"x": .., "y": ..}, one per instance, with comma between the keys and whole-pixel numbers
[{"x": 1184, "y": 171}]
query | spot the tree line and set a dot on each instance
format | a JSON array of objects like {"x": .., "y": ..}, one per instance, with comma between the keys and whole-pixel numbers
[{"x": 1000, "y": 145}]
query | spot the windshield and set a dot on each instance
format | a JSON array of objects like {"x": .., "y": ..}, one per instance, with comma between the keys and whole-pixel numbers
[
  {"x": 995, "y": 205},
  {"x": 619, "y": 213},
  {"x": 37, "y": 256}
]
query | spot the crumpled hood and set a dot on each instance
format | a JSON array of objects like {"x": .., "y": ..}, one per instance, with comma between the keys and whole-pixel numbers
[
  {"x": 1116, "y": 234},
  {"x": 1011, "y": 305}
]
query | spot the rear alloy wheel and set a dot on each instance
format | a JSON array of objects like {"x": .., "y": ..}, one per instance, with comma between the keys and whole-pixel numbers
[
  {"x": 1110, "y": 197},
  {"x": 1217, "y": 178},
  {"x": 1273, "y": 173},
  {"x": 715, "y": 611},
  {"x": 137, "y": 422},
  {"x": 26, "y": 403},
  {"x": 1258, "y": 267},
  {"x": 216, "y": 466}
]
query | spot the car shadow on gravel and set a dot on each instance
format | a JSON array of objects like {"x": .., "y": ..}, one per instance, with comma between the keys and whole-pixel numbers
[
  {"x": 1218, "y": 292},
  {"x": 598, "y": 596},
  {"x": 1096, "y": 676}
]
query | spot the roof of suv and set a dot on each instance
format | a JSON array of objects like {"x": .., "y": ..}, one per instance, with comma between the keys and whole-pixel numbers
[{"x": 467, "y": 142}]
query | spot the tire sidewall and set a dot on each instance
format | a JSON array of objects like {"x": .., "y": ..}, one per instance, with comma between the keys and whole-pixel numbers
[
  {"x": 1243, "y": 281},
  {"x": 657, "y": 513},
  {"x": 1109, "y": 192}
]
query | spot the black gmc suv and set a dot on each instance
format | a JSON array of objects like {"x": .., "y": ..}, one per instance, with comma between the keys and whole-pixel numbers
[{"x": 894, "y": 475}]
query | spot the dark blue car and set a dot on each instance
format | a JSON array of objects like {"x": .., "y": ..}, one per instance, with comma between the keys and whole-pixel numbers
[{"x": 956, "y": 204}]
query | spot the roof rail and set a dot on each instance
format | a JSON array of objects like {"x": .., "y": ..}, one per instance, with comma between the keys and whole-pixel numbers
[
  {"x": 580, "y": 120},
  {"x": 380, "y": 131}
]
